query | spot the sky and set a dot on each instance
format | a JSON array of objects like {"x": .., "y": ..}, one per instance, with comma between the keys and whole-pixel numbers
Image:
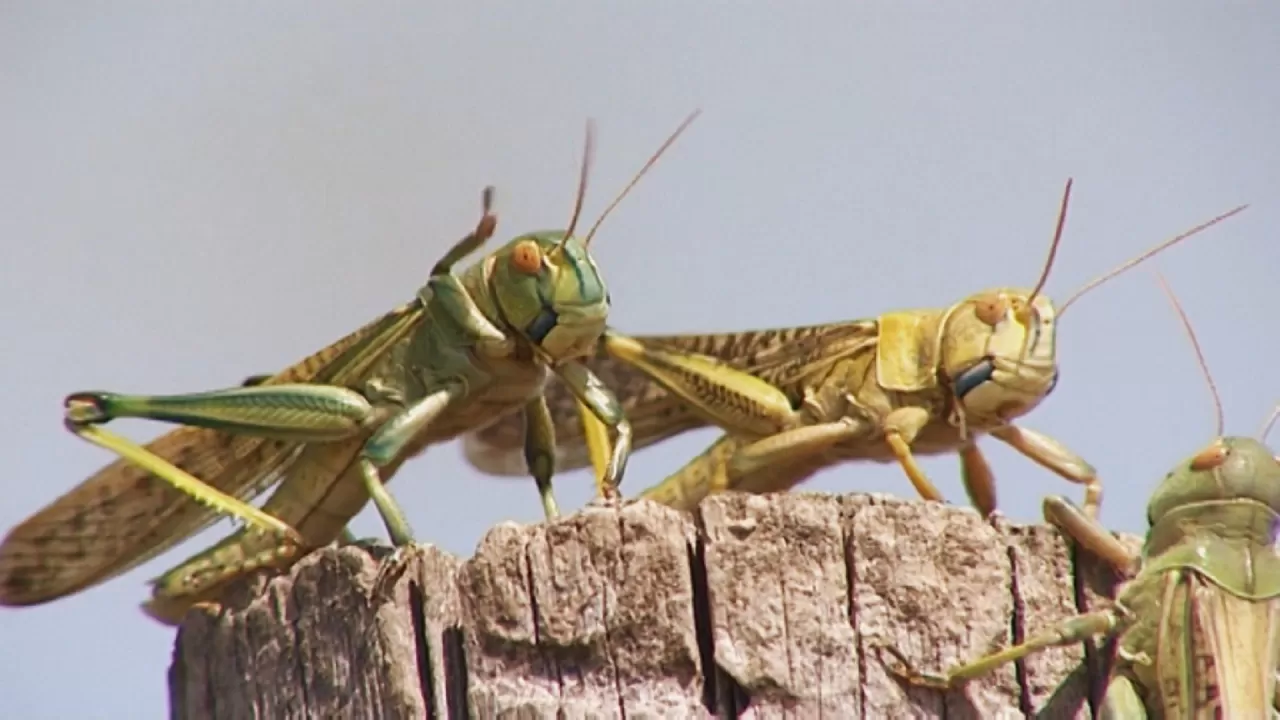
[{"x": 193, "y": 194}]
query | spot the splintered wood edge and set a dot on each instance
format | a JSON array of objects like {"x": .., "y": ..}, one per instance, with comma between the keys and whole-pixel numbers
[{"x": 772, "y": 604}]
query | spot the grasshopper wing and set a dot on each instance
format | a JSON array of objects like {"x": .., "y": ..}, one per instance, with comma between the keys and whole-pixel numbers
[
  {"x": 787, "y": 357},
  {"x": 122, "y": 515},
  {"x": 1242, "y": 636}
]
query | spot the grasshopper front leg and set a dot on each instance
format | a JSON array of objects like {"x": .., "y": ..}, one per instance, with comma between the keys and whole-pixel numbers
[
  {"x": 1045, "y": 451},
  {"x": 1085, "y": 529},
  {"x": 979, "y": 481},
  {"x": 600, "y": 411},
  {"x": 1070, "y": 631}
]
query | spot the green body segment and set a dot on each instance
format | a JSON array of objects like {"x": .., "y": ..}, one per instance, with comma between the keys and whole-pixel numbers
[{"x": 1199, "y": 623}]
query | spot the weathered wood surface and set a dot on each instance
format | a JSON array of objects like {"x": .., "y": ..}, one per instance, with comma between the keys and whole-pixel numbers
[{"x": 755, "y": 607}]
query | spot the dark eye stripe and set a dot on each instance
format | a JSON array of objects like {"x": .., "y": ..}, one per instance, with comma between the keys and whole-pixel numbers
[
  {"x": 973, "y": 377},
  {"x": 543, "y": 324}
]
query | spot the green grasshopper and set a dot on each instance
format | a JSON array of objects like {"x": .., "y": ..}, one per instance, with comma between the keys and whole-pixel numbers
[
  {"x": 1198, "y": 622},
  {"x": 333, "y": 428},
  {"x": 796, "y": 400}
]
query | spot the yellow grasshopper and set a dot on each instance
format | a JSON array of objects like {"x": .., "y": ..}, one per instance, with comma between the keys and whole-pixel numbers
[
  {"x": 793, "y": 401},
  {"x": 1198, "y": 622},
  {"x": 333, "y": 428}
]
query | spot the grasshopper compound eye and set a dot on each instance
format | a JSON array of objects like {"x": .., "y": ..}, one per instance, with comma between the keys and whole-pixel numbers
[
  {"x": 526, "y": 257},
  {"x": 1210, "y": 457},
  {"x": 991, "y": 309}
]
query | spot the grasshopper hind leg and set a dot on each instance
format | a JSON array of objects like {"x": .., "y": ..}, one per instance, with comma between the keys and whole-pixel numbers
[
  {"x": 776, "y": 454},
  {"x": 84, "y": 413}
]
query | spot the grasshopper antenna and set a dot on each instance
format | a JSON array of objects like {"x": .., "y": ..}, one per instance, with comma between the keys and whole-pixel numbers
[
  {"x": 1053, "y": 248},
  {"x": 1191, "y": 333},
  {"x": 1266, "y": 426},
  {"x": 1144, "y": 256},
  {"x": 653, "y": 159},
  {"x": 588, "y": 152}
]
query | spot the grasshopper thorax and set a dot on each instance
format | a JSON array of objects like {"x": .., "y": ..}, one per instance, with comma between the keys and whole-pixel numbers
[
  {"x": 548, "y": 290},
  {"x": 1228, "y": 469},
  {"x": 996, "y": 349}
]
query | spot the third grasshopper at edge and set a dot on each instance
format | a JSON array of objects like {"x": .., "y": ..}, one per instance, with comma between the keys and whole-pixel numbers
[
  {"x": 331, "y": 429},
  {"x": 793, "y": 401},
  {"x": 1198, "y": 622}
]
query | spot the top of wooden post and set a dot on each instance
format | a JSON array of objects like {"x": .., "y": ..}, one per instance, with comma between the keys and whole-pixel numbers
[{"x": 767, "y": 604}]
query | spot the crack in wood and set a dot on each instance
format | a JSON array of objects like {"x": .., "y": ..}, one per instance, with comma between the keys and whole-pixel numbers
[
  {"x": 702, "y": 625},
  {"x": 426, "y": 674},
  {"x": 1017, "y": 633}
]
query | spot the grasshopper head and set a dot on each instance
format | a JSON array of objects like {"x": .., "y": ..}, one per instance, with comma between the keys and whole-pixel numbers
[
  {"x": 550, "y": 291},
  {"x": 1229, "y": 468},
  {"x": 546, "y": 285},
  {"x": 997, "y": 352}
]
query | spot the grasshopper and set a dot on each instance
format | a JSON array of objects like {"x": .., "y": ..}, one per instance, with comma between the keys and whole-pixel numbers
[
  {"x": 796, "y": 400},
  {"x": 1198, "y": 621},
  {"x": 334, "y": 427}
]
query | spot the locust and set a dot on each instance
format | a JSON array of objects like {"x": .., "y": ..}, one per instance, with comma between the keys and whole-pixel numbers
[
  {"x": 330, "y": 430},
  {"x": 793, "y": 401},
  {"x": 1197, "y": 623}
]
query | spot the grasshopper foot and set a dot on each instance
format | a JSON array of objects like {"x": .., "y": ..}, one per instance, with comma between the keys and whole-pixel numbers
[
  {"x": 609, "y": 499},
  {"x": 392, "y": 568},
  {"x": 908, "y": 672}
]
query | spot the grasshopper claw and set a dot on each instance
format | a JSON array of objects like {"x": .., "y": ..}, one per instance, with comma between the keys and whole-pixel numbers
[
  {"x": 908, "y": 672},
  {"x": 390, "y": 571},
  {"x": 609, "y": 499}
]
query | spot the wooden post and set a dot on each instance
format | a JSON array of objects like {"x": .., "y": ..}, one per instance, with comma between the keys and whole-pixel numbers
[{"x": 756, "y": 606}]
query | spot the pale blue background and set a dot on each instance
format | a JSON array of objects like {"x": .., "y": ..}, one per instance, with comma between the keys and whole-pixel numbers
[{"x": 189, "y": 196}]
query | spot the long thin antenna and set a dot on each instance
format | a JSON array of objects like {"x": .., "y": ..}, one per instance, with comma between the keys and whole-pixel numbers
[
  {"x": 1129, "y": 264},
  {"x": 1053, "y": 247},
  {"x": 1191, "y": 333},
  {"x": 1266, "y": 426},
  {"x": 588, "y": 152},
  {"x": 687, "y": 121}
]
